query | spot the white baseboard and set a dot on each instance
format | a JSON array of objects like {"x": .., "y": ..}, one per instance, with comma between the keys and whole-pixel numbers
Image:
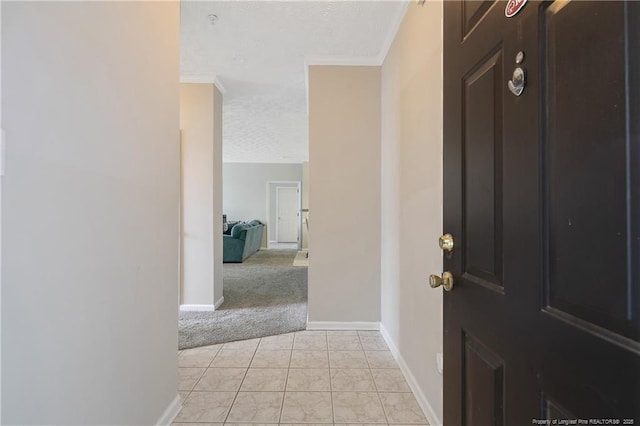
[
  {"x": 171, "y": 412},
  {"x": 343, "y": 325},
  {"x": 427, "y": 409},
  {"x": 218, "y": 303},
  {"x": 197, "y": 308}
]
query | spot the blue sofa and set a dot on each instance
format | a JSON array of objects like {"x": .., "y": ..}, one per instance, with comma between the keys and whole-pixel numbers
[{"x": 241, "y": 241}]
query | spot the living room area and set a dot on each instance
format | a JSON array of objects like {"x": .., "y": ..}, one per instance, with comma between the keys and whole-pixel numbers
[
  {"x": 258, "y": 255},
  {"x": 274, "y": 195}
]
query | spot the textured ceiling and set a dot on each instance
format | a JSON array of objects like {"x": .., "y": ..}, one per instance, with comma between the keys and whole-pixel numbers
[{"x": 257, "y": 51}]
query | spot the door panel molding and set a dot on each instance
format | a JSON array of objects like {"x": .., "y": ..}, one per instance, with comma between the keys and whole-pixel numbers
[
  {"x": 481, "y": 248},
  {"x": 589, "y": 327},
  {"x": 472, "y": 14},
  {"x": 550, "y": 409},
  {"x": 483, "y": 384},
  {"x": 588, "y": 235}
]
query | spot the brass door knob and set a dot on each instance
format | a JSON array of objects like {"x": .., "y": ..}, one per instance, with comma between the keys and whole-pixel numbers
[
  {"x": 446, "y": 281},
  {"x": 446, "y": 242}
]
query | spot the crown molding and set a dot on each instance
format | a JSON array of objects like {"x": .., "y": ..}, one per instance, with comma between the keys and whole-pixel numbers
[
  {"x": 219, "y": 85},
  {"x": 367, "y": 61},
  {"x": 393, "y": 31},
  {"x": 204, "y": 79},
  {"x": 373, "y": 61}
]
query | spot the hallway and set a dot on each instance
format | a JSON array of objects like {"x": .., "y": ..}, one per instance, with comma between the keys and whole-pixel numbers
[
  {"x": 326, "y": 377},
  {"x": 91, "y": 259}
]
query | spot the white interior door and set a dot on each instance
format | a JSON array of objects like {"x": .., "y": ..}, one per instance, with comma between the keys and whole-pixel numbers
[{"x": 287, "y": 214}]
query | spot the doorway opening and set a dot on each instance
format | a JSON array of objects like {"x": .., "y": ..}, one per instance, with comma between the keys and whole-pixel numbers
[{"x": 284, "y": 227}]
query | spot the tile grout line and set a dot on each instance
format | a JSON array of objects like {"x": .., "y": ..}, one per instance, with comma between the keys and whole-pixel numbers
[
  {"x": 333, "y": 412},
  {"x": 329, "y": 350},
  {"x": 288, "y": 370},
  {"x": 199, "y": 378},
  {"x": 241, "y": 382},
  {"x": 386, "y": 417},
  {"x": 286, "y": 380}
]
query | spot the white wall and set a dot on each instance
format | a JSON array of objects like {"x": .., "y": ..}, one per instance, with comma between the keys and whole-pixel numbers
[
  {"x": 201, "y": 130},
  {"x": 89, "y": 212},
  {"x": 412, "y": 196},
  {"x": 1, "y": 159},
  {"x": 217, "y": 197},
  {"x": 245, "y": 189},
  {"x": 344, "y": 193}
]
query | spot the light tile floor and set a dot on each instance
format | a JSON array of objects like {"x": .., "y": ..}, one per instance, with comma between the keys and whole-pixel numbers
[{"x": 308, "y": 377}]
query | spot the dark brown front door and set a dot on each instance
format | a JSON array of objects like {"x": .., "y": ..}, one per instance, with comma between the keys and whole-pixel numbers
[{"x": 541, "y": 194}]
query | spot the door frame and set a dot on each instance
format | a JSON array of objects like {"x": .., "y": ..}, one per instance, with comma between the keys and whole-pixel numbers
[
  {"x": 181, "y": 222},
  {"x": 277, "y": 230},
  {"x": 273, "y": 184}
]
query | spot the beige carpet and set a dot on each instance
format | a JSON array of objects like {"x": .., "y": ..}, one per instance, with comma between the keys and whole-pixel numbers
[{"x": 264, "y": 296}]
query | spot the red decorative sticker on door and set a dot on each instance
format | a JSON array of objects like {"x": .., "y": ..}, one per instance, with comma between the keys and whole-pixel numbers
[{"x": 513, "y": 7}]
